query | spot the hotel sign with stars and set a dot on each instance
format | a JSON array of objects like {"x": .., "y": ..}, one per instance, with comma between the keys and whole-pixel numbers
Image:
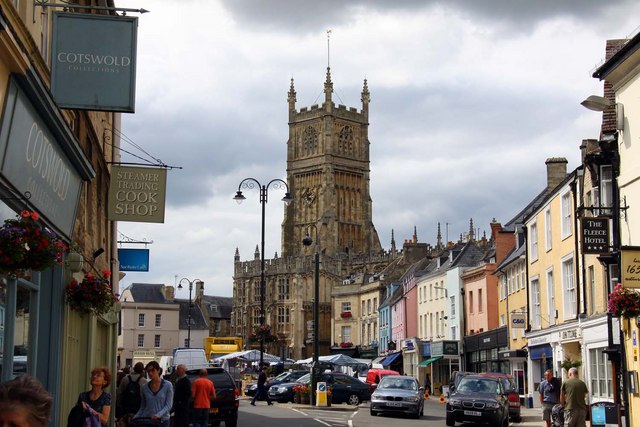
[{"x": 595, "y": 235}]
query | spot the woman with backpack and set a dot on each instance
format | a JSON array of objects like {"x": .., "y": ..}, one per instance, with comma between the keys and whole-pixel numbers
[{"x": 129, "y": 394}]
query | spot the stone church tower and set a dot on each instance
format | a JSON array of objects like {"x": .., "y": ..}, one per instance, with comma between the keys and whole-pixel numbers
[{"x": 328, "y": 176}]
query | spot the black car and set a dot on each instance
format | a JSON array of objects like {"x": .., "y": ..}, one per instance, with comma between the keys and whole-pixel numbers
[
  {"x": 344, "y": 388},
  {"x": 225, "y": 406},
  {"x": 478, "y": 399},
  {"x": 285, "y": 377}
]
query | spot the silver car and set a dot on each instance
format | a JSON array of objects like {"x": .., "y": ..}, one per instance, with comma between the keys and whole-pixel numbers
[{"x": 398, "y": 394}]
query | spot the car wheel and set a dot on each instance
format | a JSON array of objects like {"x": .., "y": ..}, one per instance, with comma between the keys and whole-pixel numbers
[
  {"x": 353, "y": 399},
  {"x": 517, "y": 418},
  {"x": 422, "y": 410},
  {"x": 450, "y": 421},
  {"x": 505, "y": 423},
  {"x": 373, "y": 413},
  {"x": 416, "y": 415}
]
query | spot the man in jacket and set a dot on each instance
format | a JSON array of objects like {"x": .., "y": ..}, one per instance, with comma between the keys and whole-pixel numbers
[{"x": 181, "y": 398}]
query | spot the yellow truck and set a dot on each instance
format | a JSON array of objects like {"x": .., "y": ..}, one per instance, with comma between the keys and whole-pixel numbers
[{"x": 219, "y": 346}]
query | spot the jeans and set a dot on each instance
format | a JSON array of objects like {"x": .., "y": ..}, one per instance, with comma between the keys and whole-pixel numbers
[
  {"x": 200, "y": 417},
  {"x": 262, "y": 392}
]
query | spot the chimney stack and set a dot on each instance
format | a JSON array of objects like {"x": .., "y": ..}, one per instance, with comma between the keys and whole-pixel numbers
[{"x": 556, "y": 171}]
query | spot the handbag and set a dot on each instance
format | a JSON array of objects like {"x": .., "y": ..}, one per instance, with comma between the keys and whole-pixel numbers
[
  {"x": 92, "y": 421},
  {"x": 76, "y": 417}
]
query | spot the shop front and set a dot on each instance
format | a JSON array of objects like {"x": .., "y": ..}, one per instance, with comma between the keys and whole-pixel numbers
[
  {"x": 410, "y": 356},
  {"x": 445, "y": 359},
  {"x": 517, "y": 366},
  {"x": 483, "y": 351},
  {"x": 540, "y": 359}
]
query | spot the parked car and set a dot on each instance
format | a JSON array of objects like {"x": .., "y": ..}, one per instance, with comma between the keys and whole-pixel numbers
[
  {"x": 478, "y": 399},
  {"x": 513, "y": 396},
  {"x": 225, "y": 406},
  {"x": 285, "y": 377},
  {"x": 344, "y": 388},
  {"x": 456, "y": 376},
  {"x": 375, "y": 375},
  {"x": 398, "y": 394}
]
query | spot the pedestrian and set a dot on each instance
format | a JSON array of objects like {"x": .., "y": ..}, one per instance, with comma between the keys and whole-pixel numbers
[
  {"x": 181, "y": 398},
  {"x": 203, "y": 391},
  {"x": 549, "y": 392},
  {"x": 129, "y": 393},
  {"x": 24, "y": 402},
  {"x": 427, "y": 384},
  {"x": 573, "y": 394},
  {"x": 96, "y": 403},
  {"x": 157, "y": 397},
  {"x": 262, "y": 388}
]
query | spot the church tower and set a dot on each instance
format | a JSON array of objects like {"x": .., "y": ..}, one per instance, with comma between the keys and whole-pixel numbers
[{"x": 328, "y": 176}]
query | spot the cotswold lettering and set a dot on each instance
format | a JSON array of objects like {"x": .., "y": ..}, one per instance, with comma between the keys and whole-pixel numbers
[{"x": 88, "y": 58}]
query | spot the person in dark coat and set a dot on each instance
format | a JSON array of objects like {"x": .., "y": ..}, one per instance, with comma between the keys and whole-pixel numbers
[
  {"x": 262, "y": 387},
  {"x": 181, "y": 398}
]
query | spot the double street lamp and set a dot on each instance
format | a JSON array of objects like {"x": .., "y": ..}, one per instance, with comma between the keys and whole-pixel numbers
[
  {"x": 276, "y": 184},
  {"x": 308, "y": 241},
  {"x": 197, "y": 282}
]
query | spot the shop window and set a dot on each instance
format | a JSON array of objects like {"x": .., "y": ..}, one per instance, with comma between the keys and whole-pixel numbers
[{"x": 600, "y": 374}]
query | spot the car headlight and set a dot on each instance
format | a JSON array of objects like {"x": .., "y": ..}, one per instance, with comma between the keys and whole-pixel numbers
[
  {"x": 455, "y": 402},
  {"x": 411, "y": 398},
  {"x": 375, "y": 396},
  {"x": 493, "y": 405},
  {"x": 280, "y": 389}
]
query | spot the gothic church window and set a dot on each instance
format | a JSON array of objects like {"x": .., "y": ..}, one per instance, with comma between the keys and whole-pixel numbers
[
  {"x": 309, "y": 141},
  {"x": 345, "y": 140}
]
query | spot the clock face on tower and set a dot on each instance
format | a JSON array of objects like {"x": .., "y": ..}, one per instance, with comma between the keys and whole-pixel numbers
[{"x": 309, "y": 196}]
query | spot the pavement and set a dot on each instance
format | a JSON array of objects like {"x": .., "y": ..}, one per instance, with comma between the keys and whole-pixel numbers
[{"x": 530, "y": 417}]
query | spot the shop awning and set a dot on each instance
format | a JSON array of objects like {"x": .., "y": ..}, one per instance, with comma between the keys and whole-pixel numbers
[
  {"x": 429, "y": 361},
  {"x": 536, "y": 353},
  {"x": 389, "y": 360}
]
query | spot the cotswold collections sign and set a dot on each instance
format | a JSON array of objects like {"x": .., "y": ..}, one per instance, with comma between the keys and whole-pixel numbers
[
  {"x": 137, "y": 194},
  {"x": 93, "y": 61},
  {"x": 33, "y": 161}
]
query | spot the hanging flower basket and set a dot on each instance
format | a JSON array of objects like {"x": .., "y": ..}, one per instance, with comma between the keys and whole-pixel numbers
[
  {"x": 624, "y": 302},
  {"x": 346, "y": 344},
  {"x": 91, "y": 295},
  {"x": 263, "y": 331},
  {"x": 26, "y": 244}
]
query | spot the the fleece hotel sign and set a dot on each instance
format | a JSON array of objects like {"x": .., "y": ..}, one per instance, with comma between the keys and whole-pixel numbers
[{"x": 93, "y": 61}]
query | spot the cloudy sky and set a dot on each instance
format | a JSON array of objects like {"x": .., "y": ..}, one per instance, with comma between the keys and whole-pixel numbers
[{"x": 468, "y": 100}]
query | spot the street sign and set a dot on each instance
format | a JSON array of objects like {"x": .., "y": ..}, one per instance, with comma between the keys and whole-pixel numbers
[{"x": 595, "y": 235}]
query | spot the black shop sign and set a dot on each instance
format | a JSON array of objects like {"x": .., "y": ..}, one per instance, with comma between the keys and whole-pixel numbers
[{"x": 595, "y": 235}]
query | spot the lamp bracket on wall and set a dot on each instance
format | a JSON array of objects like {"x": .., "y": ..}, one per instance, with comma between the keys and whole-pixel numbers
[{"x": 45, "y": 3}]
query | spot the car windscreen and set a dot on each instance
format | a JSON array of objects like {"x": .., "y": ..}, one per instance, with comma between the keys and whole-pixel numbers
[
  {"x": 478, "y": 385},
  {"x": 389, "y": 382},
  {"x": 306, "y": 378}
]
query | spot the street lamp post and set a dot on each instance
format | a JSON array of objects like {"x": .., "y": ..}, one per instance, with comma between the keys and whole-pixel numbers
[
  {"x": 250, "y": 183},
  {"x": 308, "y": 241},
  {"x": 200, "y": 283}
]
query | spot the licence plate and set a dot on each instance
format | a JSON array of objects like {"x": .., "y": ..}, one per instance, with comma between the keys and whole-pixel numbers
[
  {"x": 394, "y": 404},
  {"x": 213, "y": 410},
  {"x": 474, "y": 413}
]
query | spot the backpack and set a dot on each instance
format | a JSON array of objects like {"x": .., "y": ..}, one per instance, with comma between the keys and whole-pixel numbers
[{"x": 131, "y": 398}]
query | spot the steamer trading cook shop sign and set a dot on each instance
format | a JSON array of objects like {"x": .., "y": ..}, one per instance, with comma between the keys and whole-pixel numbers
[
  {"x": 93, "y": 61},
  {"x": 137, "y": 194}
]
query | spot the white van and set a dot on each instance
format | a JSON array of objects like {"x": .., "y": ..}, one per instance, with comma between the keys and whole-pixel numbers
[
  {"x": 192, "y": 358},
  {"x": 166, "y": 362}
]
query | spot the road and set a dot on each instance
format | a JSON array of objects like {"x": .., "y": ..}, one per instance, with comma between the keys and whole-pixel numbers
[{"x": 290, "y": 415}]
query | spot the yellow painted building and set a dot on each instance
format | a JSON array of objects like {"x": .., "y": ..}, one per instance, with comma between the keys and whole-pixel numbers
[{"x": 618, "y": 144}]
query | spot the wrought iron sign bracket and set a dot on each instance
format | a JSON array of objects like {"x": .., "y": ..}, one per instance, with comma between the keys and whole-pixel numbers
[{"x": 45, "y": 4}]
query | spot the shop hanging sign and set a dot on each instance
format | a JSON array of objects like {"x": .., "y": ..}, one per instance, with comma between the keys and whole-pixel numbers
[
  {"x": 93, "y": 61},
  {"x": 595, "y": 235},
  {"x": 137, "y": 194},
  {"x": 630, "y": 266},
  {"x": 518, "y": 321},
  {"x": 133, "y": 259}
]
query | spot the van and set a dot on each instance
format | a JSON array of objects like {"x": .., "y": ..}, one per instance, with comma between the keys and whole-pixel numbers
[
  {"x": 191, "y": 358},
  {"x": 374, "y": 375},
  {"x": 166, "y": 362}
]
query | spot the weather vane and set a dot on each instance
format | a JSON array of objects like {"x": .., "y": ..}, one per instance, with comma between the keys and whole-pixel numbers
[{"x": 328, "y": 51}]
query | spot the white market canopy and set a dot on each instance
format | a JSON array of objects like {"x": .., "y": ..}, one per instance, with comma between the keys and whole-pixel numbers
[
  {"x": 249, "y": 356},
  {"x": 336, "y": 359}
]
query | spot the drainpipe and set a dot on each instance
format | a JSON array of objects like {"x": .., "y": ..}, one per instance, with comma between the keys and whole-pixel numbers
[{"x": 578, "y": 265}]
